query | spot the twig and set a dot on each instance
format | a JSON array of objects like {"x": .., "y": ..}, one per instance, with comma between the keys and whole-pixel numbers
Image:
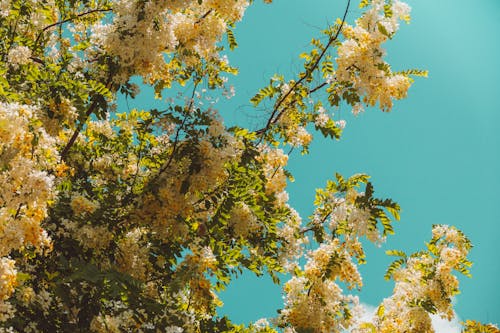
[
  {"x": 204, "y": 16},
  {"x": 101, "y": 10},
  {"x": 176, "y": 140},
  {"x": 276, "y": 114},
  {"x": 79, "y": 128},
  {"x": 318, "y": 87}
]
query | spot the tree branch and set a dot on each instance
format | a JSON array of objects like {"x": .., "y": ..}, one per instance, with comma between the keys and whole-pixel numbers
[
  {"x": 318, "y": 87},
  {"x": 277, "y": 113},
  {"x": 204, "y": 16},
  {"x": 73, "y": 138},
  {"x": 98, "y": 10},
  {"x": 176, "y": 140},
  {"x": 79, "y": 128}
]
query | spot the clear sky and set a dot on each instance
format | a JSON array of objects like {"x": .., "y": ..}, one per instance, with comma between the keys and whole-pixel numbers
[{"x": 437, "y": 153}]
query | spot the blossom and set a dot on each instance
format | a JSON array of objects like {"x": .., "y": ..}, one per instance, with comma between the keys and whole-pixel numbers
[
  {"x": 242, "y": 220},
  {"x": 142, "y": 41},
  {"x": 322, "y": 117},
  {"x": 27, "y": 188},
  {"x": 4, "y": 8},
  {"x": 360, "y": 57},
  {"x": 19, "y": 55},
  {"x": 81, "y": 205},
  {"x": 8, "y": 278}
]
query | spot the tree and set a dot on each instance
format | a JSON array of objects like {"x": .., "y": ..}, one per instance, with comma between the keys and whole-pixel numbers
[{"x": 130, "y": 222}]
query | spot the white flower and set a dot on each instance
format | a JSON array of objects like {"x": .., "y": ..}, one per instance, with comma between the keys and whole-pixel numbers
[
  {"x": 340, "y": 124},
  {"x": 322, "y": 117},
  {"x": 261, "y": 323},
  {"x": 19, "y": 55},
  {"x": 357, "y": 109},
  {"x": 4, "y": 8},
  {"x": 173, "y": 329}
]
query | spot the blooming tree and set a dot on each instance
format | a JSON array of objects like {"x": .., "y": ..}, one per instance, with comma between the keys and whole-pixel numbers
[{"x": 133, "y": 221}]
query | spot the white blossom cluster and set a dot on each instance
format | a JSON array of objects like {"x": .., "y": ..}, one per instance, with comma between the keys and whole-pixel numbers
[
  {"x": 360, "y": 56},
  {"x": 313, "y": 298},
  {"x": 355, "y": 220},
  {"x": 19, "y": 55},
  {"x": 27, "y": 155},
  {"x": 294, "y": 241},
  {"x": 243, "y": 220},
  {"x": 425, "y": 283},
  {"x": 318, "y": 306},
  {"x": 143, "y": 34},
  {"x": 180, "y": 191}
]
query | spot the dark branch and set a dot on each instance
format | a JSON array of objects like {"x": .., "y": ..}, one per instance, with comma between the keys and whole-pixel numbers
[
  {"x": 204, "y": 16},
  {"x": 318, "y": 87},
  {"x": 79, "y": 128},
  {"x": 71, "y": 141},
  {"x": 277, "y": 113},
  {"x": 99, "y": 10},
  {"x": 177, "y": 133}
]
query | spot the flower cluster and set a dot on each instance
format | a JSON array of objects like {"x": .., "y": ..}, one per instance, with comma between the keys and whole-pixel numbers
[
  {"x": 274, "y": 161},
  {"x": 243, "y": 221},
  {"x": 360, "y": 56},
  {"x": 425, "y": 284},
  {"x": 19, "y": 55},
  {"x": 142, "y": 34},
  {"x": 7, "y": 278},
  {"x": 27, "y": 157},
  {"x": 318, "y": 306},
  {"x": 185, "y": 181}
]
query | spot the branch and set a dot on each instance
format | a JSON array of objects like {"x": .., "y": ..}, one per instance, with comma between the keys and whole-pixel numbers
[
  {"x": 71, "y": 141},
  {"x": 276, "y": 114},
  {"x": 98, "y": 10},
  {"x": 318, "y": 87},
  {"x": 311, "y": 228},
  {"x": 177, "y": 133},
  {"x": 204, "y": 16},
  {"x": 79, "y": 128}
]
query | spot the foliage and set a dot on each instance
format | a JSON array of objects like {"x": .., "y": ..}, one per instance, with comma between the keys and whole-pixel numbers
[{"x": 131, "y": 222}]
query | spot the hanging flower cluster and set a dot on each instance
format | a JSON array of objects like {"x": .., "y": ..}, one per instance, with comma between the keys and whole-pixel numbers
[
  {"x": 360, "y": 56},
  {"x": 143, "y": 34},
  {"x": 315, "y": 300},
  {"x": 29, "y": 163}
]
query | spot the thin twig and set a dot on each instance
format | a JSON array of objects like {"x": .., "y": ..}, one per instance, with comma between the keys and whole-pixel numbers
[
  {"x": 79, "y": 128},
  {"x": 176, "y": 140},
  {"x": 318, "y": 87},
  {"x": 101, "y": 10},
  {"x": 73, "y": 138},
  {"x": 277, "y": 113},
  {"x": 204, "y": 16}
]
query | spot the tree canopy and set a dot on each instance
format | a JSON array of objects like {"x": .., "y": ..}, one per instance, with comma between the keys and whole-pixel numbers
[{"x": 114, "y": 221}]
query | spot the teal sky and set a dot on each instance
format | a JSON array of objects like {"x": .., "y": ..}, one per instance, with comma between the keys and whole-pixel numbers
[{"x": 436, "y": 153}]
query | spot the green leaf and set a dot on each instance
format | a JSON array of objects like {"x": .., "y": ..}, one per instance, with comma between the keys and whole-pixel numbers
[
  {"x": 388, "y": 10},
  {"x": 231, "y": 39},
  {"x": 364, "y": 3},
  {"x": 268, "y": 91},
  {"x": 415, "y": 72},
  {"x": 393, "y": 267},
  {"x": 383, "y": 30},
  {"x": 380, "y": 311},
  {"x": 396, "y": 253}
]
